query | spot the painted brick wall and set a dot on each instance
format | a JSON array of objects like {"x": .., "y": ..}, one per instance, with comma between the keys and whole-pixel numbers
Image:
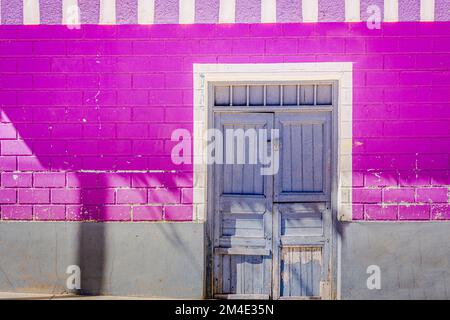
[
  {"x": 86, "y": 115},
  {"x": 207, "y": 11}
]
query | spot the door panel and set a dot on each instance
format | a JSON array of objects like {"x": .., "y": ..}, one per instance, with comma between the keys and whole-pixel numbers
[
  {"x": 243, "y": 212},
  {"x": 302, "y": 234},
  {"x": 241, "y": 225},
  {"x": 300, "y": 270},
  {"x": 304, "y": 157},
  {"x": 308, "y": 224},
  {"x": 302, "y": 220},
  {"x": 245, "y": 275}
]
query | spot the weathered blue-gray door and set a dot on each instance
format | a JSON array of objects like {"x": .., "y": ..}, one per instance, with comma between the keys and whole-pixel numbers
[
  {"x": 243, "y": 224},
  {"x": 272, "y": 233},
  {"x": 302, "y": 215}
]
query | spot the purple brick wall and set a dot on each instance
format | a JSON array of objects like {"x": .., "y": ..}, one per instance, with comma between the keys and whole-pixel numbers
[
  {"x": 166, "y": 11},
  {"x": 50, "y": 11},
  {"x": 86, "y": 115},
  {"x": 207, "y": 11},
  {"x": 442, "y": 10},
  {"x": 126, "y": 11},
  {"x": 89, "y": 11},
  {"x": 409, "y": 10},
  {"x": 289, "y": 10},
  {"x": 247, "y": 11},
  {"x": 11, "y": 11},
  {"x": 331, "y": 10}
]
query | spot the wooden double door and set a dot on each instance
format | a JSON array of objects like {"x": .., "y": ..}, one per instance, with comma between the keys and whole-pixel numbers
[{"x": 272, "y": 232}]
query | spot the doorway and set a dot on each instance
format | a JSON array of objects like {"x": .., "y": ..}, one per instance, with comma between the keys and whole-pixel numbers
[{"x": 272, "y": 234}]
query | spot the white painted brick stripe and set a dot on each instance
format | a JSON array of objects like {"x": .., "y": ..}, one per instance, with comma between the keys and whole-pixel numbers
[
  {"x": 107, "y": 12},
  {"x": 390, "y": 10},
  {"x": 227, "y": 11},
  {"x": 31, "y": 14},
  {"x": 310, "y": 10},
  {"x": 427, "y": 8},
  {"x": 146, "y": 11},
  {"x": 352, "y": 11},
  {"x": 70, "y": 12},
  {"x": 187, "y": 11},
  {"x": 268, "y": 11}
]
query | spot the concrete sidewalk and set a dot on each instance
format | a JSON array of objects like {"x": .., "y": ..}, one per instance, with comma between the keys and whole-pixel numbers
[{"x": 48, "y": 296}]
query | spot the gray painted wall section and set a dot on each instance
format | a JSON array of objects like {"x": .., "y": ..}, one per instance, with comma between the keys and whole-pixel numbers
[
  {"x": 414, "y": 258},
  {"x": 167, "y": 259},
  {"x": 137, "y": 259}
]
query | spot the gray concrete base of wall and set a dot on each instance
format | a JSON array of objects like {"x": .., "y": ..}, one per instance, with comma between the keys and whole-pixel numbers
[
  {"x": 413, "y": 257},
  {"x": 137, "y": 259},
  {"x": 167, "y": 260}
]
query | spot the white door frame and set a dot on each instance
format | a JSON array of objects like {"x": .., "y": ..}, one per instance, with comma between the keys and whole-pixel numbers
[{"x": 341, "y": 72}]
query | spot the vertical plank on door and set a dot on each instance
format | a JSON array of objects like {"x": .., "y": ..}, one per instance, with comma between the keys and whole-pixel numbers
[
  {"x": 287, "y": 158},
  {"x": 307, "y": 157},
  {"x": 226, "y": 274},
  {"x": 318, "y": 157},
  {"x": 247, "y": 174},
  {"x": 296, "y": 158}
]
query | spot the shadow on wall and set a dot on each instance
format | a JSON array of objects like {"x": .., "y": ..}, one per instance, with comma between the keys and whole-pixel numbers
[
  {"x": 92, "y": 157},
  {"x": 84, "y": 172},
  {"x": 79, "y": 143}
]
